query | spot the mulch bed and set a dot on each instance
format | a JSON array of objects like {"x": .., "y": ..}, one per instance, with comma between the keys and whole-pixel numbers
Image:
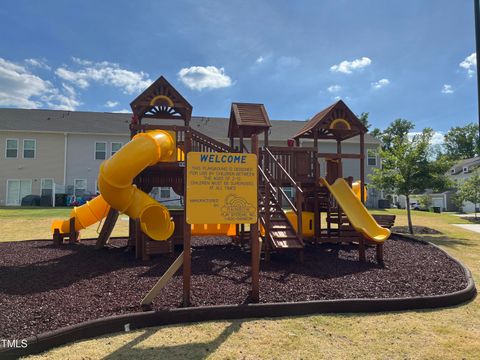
[
  {"x": 43, "y": 287},
  {"x": 424, "y": 230}
]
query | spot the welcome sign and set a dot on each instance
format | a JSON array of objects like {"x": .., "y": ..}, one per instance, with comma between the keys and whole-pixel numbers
[{"x": 221, "y": 188}]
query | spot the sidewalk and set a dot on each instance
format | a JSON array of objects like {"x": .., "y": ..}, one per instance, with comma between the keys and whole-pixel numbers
[{"x": 471, "y": 227}]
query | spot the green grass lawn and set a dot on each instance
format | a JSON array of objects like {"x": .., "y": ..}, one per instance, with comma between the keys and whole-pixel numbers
[{"x": 451, "y": 333}]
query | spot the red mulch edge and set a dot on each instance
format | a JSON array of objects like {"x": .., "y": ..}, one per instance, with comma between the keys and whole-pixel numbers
[{"x": 138, "y": 320}]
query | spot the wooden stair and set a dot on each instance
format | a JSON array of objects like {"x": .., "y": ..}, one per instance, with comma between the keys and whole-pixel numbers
[{"x": 282, "y": 235}]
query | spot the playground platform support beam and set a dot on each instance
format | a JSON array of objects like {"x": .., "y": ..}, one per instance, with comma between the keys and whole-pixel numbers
[{"x": 254, "y": 241}]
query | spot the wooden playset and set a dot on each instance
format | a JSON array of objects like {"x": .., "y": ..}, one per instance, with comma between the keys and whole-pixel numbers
[{"x": 319, "y": 211}]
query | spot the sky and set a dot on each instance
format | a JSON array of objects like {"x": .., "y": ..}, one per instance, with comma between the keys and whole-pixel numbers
[{"x": 407, "y": 59}]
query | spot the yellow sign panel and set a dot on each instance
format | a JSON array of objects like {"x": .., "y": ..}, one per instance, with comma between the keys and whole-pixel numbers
[{"x": 221, "y": 188}]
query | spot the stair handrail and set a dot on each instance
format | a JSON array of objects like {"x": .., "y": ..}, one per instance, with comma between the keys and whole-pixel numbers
[
  {"x": 210, "y": 142},
  {"x": 297, "y": 208},
  {"x": 285, "y": 172}
]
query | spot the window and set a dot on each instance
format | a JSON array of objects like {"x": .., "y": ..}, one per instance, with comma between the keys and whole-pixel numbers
[
  {"x": 371, "y": 158},
  {"x": 115, "y": 146},
  {"x": 100, "y": 150},
  {"x": 164, "y": 193},
  {"x": 452, "y": 171},
  {"x": 46, "y": 187},
  {"x": 29, "y": 147},
  {"x": 11, "y": 150},
  {"x": 17, "y": 190},
  {"x": 465, "y": 169},
  {"x": 79, "y": 187}
]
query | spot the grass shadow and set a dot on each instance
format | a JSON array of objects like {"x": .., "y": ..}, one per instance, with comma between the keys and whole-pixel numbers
[{"x": 198, "y": 350}]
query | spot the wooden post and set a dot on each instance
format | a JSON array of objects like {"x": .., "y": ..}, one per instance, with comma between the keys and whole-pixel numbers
[
  {"x": 73, "y": 232},
  {"x": 340, "y": 165},
  {"x": 138, "y": 240},
  {"x": 254, "y": 241},
  {"x": 187, "y": 229},
  {"x": 362, "y": 167},
  {"x": 240, "y": 135},
  {"x": 361, "y": 249},
  {"x": 316, "y": 175},
  {"x": 107, "y": 228},
  {"x": 380, "y": 253},
  {"x": 57, "y": 238}
]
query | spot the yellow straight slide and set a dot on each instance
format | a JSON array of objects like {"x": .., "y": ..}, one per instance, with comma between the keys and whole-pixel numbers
[
  {"x": 356, "y": 212},
  {"x": 116, "y": 188}
]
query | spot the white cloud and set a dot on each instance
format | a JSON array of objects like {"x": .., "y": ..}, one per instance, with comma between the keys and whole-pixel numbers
[
  {"x": 334, "y": 88},
  {"x": 347, "y": 67},
  {"x": 437, "y": 138},
  {"x": 111, "y": 104},
  {"x": 123, "y": 111},
  {"x": 260, "y": 59},
  {"x": 105, "y": 73},
  {"x": 39, "y": 63},
  {"x": 380, "y": 83},
  {"x": 447, "y": 89},
  {"x": 204, "y": 77},
  {"x": 19, "y": 87},
  {"x": 470, "y": 64}
]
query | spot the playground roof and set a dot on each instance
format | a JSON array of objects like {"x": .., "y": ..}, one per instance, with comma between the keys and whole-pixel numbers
[
  {"x": 251, "y": 118},
  {"x": 162, "y": 101},
  {"x": 82, "y": 122},
  {"x": 336, "y": 121}
]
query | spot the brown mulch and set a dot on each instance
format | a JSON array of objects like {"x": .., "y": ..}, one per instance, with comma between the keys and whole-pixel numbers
[
  {"x": 43, "y": 287},
  {"x": 423, "y": 230}
]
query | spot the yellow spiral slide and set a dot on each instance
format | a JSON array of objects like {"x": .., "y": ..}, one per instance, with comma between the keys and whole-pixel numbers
[{"x": 117, "y": 191}]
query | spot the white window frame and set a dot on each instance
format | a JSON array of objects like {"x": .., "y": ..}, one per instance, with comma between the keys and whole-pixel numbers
[
  {"x": 34, "y": 149},
  {"x": 111, "y": 147},
  {"x": 465, "y": 169},
  {"x": 452, "y": 171},
  {"x": 6, "y": 147},
  {"x": 75, "y": 187},
  {"x": 41, "y": 184},
  {"x": 369, "y": 157},
  {"x": 95, "y": 150},
  {"x": 19, "y": 189},
  {"x": 162, "y": 188}
]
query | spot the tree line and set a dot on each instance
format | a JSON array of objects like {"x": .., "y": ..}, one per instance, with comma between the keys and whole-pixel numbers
[{"x": 411, "y": 164}]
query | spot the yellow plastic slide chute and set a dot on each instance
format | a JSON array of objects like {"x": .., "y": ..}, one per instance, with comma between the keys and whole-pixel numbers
[
  {"x": 116, "y": 188},
  {"x": 356, "y": 212}
]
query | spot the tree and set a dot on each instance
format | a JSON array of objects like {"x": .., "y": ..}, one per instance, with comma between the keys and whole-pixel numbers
[
  {"x": 407, "y": 165},
  {"x": 398, "y": 129},
  {"x": 462, "y": 142},
  {"x": 469, "y": 190},
  {"x": 425, "y": 201},
  {"x": 364, "y": 119}
]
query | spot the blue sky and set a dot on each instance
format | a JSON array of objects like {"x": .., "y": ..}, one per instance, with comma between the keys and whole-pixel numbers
[{"x": 407, "y": 59}]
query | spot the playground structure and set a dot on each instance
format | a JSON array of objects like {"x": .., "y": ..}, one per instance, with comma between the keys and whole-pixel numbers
[{"x": 325, "y": 208}]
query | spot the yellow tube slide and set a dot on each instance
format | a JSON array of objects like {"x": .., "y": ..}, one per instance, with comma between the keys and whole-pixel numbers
[
  {"x": 356, "y": 212},
  {"x": 116, "y": 188},
  {"x": 85, "y": 215}
]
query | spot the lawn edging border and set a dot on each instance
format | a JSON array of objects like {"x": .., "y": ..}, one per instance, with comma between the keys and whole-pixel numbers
[{"x": 119, "y": 323}]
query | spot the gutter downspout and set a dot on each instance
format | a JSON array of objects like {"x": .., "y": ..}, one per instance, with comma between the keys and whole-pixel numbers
[{"x": 65, "y": 159}]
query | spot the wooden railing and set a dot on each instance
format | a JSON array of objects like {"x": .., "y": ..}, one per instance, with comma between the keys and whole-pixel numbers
[
  {"x": 298, "y": 162},
  {"x": 202, "y": 142},
  {"x": 273, "y": 176}
]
